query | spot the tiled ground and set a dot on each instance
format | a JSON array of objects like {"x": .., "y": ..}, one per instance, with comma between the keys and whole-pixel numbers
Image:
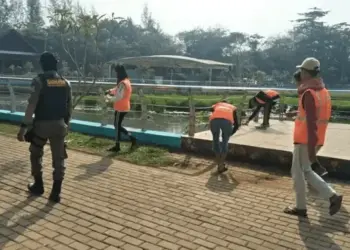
[
  {"x": 114, "y": 205},
  {"x": 280, "y": 137}
]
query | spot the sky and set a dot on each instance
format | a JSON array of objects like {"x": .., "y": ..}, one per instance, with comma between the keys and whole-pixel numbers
[{"x": 266, "y": 17}]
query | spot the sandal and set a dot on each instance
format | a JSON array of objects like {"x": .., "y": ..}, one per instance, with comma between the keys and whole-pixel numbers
[{"x": 295, "y": 211}]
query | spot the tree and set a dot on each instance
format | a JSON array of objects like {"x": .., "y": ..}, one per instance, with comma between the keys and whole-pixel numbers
[
  {"x": 78, "y": 33},
  {"x": 35, "y": 21}
]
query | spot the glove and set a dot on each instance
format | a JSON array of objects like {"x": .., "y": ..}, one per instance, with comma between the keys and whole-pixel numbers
[
  {"x": 28, "y": 136},
  {"x": 319, "y": 169}
]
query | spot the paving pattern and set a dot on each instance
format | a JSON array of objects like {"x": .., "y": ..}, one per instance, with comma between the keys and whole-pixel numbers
[{"x": 115, "y": 205}]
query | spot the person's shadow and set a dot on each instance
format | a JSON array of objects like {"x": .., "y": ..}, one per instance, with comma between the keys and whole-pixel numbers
[
  {"x": 310, "y": 234},
  {"x": 221, "y": 182},
  {"x": 16, "y": 229},
  {"x": 94, "y": 169}
]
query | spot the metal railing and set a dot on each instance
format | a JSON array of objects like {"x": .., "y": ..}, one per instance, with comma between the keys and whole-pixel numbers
[{"x": 171, "y": 108}]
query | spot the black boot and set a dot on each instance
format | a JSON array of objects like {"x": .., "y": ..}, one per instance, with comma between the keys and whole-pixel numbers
[
  {"x": 133, "y": 142},
  {"x": 56, "y": 191},
  {"x": 115, "y": 148},
  {"x": 36, "y": 188}
]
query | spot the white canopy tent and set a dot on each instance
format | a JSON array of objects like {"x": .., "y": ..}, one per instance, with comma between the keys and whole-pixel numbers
[{"x": 172, "y": 61}]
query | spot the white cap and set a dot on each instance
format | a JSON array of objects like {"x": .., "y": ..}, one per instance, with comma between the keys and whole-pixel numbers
[{"x": 310, "y": 63}]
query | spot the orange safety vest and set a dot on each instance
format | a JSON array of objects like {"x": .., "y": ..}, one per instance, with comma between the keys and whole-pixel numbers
[
  {"x": 323, "y": 109},
  {"x": 270, "y": 93},
  {"x": 224, "y": 111},
  {"x": 123, "y": 105}
]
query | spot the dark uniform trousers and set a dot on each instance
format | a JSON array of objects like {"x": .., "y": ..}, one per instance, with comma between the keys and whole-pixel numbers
[{"x": 55, "y": 132}]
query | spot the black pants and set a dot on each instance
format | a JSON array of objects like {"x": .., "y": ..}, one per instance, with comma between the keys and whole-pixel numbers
[{"x": 118, "y": 119}]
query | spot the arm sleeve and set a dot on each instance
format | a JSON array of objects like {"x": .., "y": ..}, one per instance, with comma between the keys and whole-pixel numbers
[
  {"x": 311, "y": 120},
  {"x": 32, "y": 100},
  {"x": 119, "y": 93}
]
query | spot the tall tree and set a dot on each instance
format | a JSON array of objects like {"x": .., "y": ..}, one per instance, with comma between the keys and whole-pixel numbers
[{"x": 35, "y": 21}]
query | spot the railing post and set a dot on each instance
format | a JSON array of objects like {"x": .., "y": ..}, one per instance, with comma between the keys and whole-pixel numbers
[
  {"x": 104, "y": 107},
  {"x": 144, "y": 111},
  {"x": 241, "y": 107},
  {"x": 192, "y": 115},
  {"x": 281, "y": 114},
  {"x": 12, "y": 96}
]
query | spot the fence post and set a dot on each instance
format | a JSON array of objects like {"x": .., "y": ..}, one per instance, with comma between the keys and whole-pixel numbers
[
  {"x": 192, "y": 115},
  {"x": 144, "y": 111},
  {"x": 12, "y": 96},
  {"x": 282, "y": 106},
  {"x": 104, "y": 107}
]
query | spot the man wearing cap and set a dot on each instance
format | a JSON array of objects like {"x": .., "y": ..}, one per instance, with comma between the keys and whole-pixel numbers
[
  {"x": 310, "y": 127},
  {"x": 51, "y": 103}
]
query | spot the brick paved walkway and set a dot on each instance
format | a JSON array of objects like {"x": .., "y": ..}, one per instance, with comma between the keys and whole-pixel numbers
[{"x": 115, "y": 205}]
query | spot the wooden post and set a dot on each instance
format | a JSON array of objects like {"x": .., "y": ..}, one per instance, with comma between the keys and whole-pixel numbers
[{"x": 192, "y": 115}]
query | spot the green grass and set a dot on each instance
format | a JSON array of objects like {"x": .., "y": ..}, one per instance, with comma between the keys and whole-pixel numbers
[{"x": 143, "y": 155}]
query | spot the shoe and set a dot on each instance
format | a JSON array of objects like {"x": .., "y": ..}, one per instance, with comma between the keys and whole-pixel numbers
[
  {"x": 262, "y": 126},
  {"x": 133, "y": 142},
  {"x": 295, "y": 211},
  {"x": 336, "y": 201},
  {"x": 56, "y": 191},
  {"x": 222, "y": 169},
  {"x": 36, "y": 188},
  {"x": 115, "y": 148}
]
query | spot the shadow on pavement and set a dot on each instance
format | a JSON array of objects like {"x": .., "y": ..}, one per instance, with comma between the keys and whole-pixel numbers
[
  {"x": 19, "y": 226},
  {"x": 221, "y": 182},
  {"x": 94, "y": 169}
]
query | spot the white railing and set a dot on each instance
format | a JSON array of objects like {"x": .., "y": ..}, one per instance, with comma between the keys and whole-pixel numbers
[{"x": 172, "y": 108}]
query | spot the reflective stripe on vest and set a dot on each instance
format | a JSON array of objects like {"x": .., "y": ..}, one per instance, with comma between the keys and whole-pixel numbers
[
  {"x": 323, "y": 113},
  {"x": 270, "y": 93},
  {"x": 223, "y": 110},
  {"x": 123, "y": 105}
]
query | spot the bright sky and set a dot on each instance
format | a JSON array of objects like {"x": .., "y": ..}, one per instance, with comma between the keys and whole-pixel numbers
[{"x": 266, "y": 17}]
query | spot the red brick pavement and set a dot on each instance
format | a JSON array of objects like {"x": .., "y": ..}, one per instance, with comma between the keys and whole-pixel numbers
[{"x": 116, "y": 205}]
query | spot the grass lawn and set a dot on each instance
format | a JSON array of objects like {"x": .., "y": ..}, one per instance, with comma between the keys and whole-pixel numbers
[{"x": 143, "y": 155}]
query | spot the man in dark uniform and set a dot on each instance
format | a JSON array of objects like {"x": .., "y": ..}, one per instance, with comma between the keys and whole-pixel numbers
[{"x": 51, "y": 103}]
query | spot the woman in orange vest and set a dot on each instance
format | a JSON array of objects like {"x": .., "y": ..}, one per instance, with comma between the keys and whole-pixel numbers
[
  {"x": 121, "y": 96},
  {"x": 223, "y": 119},
  {"x": 314, "y": 112},
  {"x": 264, "y": 99}
]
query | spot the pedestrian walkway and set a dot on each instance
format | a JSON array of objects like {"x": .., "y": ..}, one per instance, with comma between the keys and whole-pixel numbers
[{"x": 115, "y": 205}]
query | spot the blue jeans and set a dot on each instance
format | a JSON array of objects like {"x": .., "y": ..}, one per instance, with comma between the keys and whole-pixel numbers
[{"x": 225, "y": 126}]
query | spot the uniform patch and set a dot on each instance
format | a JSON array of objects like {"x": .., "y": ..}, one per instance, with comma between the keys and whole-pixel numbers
[{"x": 56, "y": 83}]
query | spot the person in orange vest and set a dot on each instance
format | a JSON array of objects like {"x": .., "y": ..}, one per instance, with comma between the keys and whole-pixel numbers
[
  {"x": 121, "y": 96},
  {"x": 263, "y": 99},
  {"x": 223, "y": 119},
  {"x": 314, "y": 112}
]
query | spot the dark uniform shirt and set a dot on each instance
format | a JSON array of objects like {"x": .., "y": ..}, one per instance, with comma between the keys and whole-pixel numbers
[{"x": 52, "y": 100}]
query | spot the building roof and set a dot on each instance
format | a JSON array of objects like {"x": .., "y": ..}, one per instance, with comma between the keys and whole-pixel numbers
[
  {"x": 172, "y": 61},
  {"x": 13, "y": 43}
]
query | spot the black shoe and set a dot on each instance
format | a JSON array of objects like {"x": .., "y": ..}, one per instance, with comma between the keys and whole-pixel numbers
[
  {"x": 114, "y": 149},
  {"x": 133, "y": 143},
  {"x": 295, "y": 211},
  {"x": 36, "y": 188},
  {"x": 222, "y": 169},
  {"x": 335, "y": 205},
  {"x": 56, "y": 191}
]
